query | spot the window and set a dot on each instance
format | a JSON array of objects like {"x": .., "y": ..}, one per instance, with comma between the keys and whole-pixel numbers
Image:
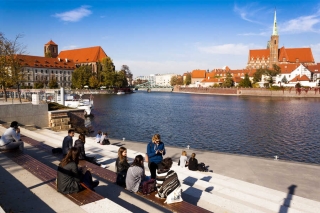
[
  {"x": 60, "y": 72},
  {"x": 56, "y": 71},
  {"x": 46, "y": 71},
  {"x": 64, "y": 72},
  {"x": 36, "y": 77},
  {"x": 41, "y": 71},
  {"x": 51, "y": 71},
  {"x": 68, "y": 72},
  {"x": 36, "y": 71},
  {"x": 28, "y": 70}
]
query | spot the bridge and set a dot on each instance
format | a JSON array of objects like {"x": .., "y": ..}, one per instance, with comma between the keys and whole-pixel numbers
[{"x": 148, "y": 85}]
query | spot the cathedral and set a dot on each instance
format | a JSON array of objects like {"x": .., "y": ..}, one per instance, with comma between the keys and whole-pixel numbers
[{"x": 265, "y": 58}]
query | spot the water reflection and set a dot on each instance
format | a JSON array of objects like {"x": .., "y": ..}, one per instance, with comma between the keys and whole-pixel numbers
[{"x": 259, "y": 126}]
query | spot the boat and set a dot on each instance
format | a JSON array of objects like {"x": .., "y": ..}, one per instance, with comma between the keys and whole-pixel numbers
[
  {"x": 76, "y": 101},
  {"x": 121, "y": 92}
]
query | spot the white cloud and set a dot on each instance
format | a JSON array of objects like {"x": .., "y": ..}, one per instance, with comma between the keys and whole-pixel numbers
[
  {"x": 74, "y": 15},
  {"x": 247, "y": 12},
  {"x": 301, "y": 24},
  {"x": 229, "y": 49}
]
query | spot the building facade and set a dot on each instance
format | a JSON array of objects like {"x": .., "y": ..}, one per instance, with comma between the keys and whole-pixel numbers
[{"x": 43, "y": 69}]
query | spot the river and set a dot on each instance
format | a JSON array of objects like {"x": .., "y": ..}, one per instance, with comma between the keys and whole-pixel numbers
[{"x": 255, "y": 126}]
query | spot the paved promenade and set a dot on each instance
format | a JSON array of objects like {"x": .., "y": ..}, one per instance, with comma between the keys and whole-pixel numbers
[{"x": 236, "y": 183}]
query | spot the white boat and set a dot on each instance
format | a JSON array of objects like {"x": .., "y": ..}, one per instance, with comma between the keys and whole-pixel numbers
[
  {"x": 71, "y": 100},
  {"x": 120, "y": 92}
]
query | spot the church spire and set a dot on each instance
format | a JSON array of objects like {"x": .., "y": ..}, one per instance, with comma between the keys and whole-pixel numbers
[{"x": 275, "y": 30}]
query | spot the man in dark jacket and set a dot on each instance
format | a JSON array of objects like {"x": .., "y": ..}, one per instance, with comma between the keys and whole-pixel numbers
[{"x": 67, "y": 142}]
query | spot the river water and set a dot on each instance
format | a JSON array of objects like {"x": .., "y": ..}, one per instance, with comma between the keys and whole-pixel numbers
[{"x": 255, "y": 126}]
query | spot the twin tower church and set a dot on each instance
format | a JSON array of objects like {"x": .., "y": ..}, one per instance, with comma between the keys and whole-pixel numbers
[{"x": 265, "y": 58}]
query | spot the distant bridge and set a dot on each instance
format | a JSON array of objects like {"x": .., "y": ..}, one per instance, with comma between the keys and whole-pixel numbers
[{"x": 147, "y": 85}]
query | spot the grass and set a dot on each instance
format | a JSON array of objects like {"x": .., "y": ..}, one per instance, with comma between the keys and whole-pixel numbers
[{"x": 55, "y": 106}]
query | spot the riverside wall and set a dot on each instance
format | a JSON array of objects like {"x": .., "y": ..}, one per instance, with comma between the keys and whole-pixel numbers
[
  {"x": 25, "y": 113},
  {"x": 288, "y": 92}
]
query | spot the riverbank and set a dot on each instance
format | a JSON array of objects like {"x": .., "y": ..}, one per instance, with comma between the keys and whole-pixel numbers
[
  {"x": 257, "y": 92},
  {"x": 274, "y": 174}
]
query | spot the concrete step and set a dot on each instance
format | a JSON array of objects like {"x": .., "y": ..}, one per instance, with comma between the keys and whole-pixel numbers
[{"x": 220, "y": 191}]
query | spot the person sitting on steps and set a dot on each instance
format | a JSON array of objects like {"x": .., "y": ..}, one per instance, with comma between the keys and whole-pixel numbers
[
  {"x": 67, "y": 142},
  {"x": 135, "y": 174},
  {"x": 98, "y": 136},
  {"x": 167, "y": 180},
  {"x": 69, "y": 176},
  {"x": 11, "y": 138},
  {"x": 122, "y": 166},
  {"x": 79, "y": 144},
  {"x": 193, "y": 163}
]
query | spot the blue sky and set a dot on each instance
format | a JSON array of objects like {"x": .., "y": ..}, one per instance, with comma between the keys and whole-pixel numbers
[{"x": 163, "y": 36}]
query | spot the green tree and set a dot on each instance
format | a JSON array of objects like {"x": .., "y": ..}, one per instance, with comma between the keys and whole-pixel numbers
[
  {"x": 121, "y": 79},
  {"x": 53, "y": 84},
  {"x": 228, "y": 81},
  {"x": 267, "y": 72},
  {"x": 245, "y": 82},
  {"x": 106, "y": 73},
  {"x": 187, "y": 81},
  {"x": 48, "y": 54},
  {"x": 38, "y": 85},
  {"x": 128, "y": 73},
  {"x": 80, "y": 77},
  {"x": 93, "y": 82},
  {"x": 284, "y": 80}
]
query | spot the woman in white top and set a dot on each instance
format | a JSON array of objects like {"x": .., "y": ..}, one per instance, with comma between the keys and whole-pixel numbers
[
  {"x": 183, "y": 159},
  {"x": 98, "y": 136}
]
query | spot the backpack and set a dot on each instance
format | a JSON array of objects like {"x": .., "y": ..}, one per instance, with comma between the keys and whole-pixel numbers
[
  {"x": 148, "y": 186},
  {"x": 201, "y": 167},
  {"x": 105, "y": 142}
]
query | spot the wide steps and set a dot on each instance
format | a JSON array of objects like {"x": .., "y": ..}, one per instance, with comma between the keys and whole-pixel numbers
[{"x": 224, "y": 193}]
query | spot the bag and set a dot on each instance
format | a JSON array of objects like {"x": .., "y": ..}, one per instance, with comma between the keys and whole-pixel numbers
[
  {"x": 105, "y": 142},
  {"x": 174, "y": 196},
  {"x": 56, "y": 151},
  {"x": 121, "y": 178},
  {"x": 201, "y": 167},
  {"x": 148, "y": 186},
  {"x": 146, "y": 158}
]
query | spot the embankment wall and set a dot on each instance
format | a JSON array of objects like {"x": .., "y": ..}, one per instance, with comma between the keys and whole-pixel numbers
[{"x": 25, "y": 114}]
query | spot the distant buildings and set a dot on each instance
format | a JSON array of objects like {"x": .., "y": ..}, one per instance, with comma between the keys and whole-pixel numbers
[
  {"x": 59, "y": 66},
  {"x": 163, "y": 80}
]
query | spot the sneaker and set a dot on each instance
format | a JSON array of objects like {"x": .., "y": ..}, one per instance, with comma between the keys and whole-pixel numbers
[{"x": 95, "y": 183}]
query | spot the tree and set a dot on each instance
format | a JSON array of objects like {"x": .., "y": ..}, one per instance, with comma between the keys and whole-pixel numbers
[
  {"x": 128, "y": 73},
  {"x": 38, "y": 85},
  {"x": 106, "y": 72},
  {"x": 121, "y": 79},
  {"x": 53, "y": 84},
  {"x": 173, "y": 80},
  {"x": 245, "y": 82},
  {"x": 284, "y": 80},
  {"x": 10, "y": 66},
  {"x": 228, "y": 81},
  {"x": 267, "y": 72},
  {"x": 48, "y": 54},
  {"x": 80, "y": 76},
  {"x": 187, "y": 81},
  {"x": 93, "y": 82}
]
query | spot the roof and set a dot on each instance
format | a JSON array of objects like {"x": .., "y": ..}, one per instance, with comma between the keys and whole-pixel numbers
[
  {"x": 303, "y": 55},
  {"x": 262, "y": 53},
  {"x": 44, "y": 62},
  {"x": 300, "y": 78},
  {"x": 237, "y": 79},
  {"x": 198, "y": 74},
  {"x": 51, "y": 43},
  {"x": 314, "y": 68},
  {"x": 288, "y": 68},
  {"x": 212, "y": 80},
  {"x": 84, "y": 55}
]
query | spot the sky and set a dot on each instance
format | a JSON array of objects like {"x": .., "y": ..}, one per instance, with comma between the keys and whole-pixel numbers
[{"x": 162, "y": 36}]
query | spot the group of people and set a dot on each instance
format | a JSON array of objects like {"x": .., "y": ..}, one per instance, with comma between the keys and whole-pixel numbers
[{"x": 192, "y": 164}]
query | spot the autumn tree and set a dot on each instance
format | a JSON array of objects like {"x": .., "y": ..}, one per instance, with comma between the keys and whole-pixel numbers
[
  {"x": 53, "y": 83},
  {"x": 187, "y": 81}
]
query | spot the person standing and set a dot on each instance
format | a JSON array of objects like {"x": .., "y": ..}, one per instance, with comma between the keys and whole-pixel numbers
[
  {"x": 67, "y": 142},
  {"x": 11, "y": 138},
  {"x": 155, "y": 152}
]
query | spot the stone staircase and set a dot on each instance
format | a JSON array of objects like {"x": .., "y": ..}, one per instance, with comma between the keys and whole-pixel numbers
[{"x": 211, "y": 191}]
